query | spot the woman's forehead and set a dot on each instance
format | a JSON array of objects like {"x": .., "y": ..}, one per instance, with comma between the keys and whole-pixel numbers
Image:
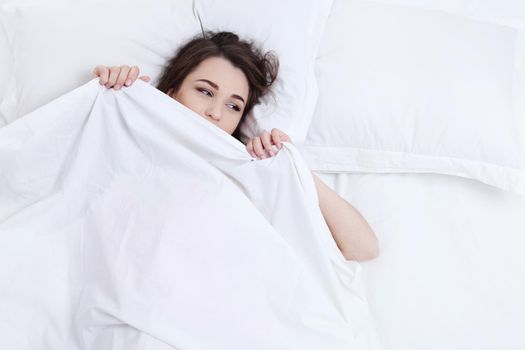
[{"x": 223, "y": 74}]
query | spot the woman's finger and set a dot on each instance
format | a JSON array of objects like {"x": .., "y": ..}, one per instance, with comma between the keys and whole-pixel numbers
[
  {"x": 102, "y": 72},
  {"x": 249, "y": 148},
  {"x": 267, "y": 142},
  {"x": 258, "y": 148},
  {"x": 132, "y": 75},
  {"x": 276, "y": 137},
  {"x": 122, "y": 76},
  {"x": 145, "y": 78},
  {"x": 282, "y": 135},
  {"x": 113, "y": 75}
]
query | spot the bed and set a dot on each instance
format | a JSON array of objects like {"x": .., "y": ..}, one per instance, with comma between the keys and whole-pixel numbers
[
  {"x": 413, "y": 76},
  {"x": 450, "y": 274},
  {"x": 413, "y": 111}
]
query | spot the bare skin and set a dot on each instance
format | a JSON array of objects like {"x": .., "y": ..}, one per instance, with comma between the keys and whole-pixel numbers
[
  {"x": 351, "y": 232},
  {"x": 216, "y": 90}
]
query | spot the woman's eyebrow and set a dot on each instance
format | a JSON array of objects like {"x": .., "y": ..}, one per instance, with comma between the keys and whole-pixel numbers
[{"x": 216, "y": 87}]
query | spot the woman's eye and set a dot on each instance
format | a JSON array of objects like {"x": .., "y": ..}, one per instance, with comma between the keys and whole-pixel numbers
[
  {"x": 205, "y": 92},
  {"x": 234, "y": 107}
]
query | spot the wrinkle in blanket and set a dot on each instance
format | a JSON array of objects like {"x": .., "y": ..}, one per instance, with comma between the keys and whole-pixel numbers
[{"x": 129, "y": 222}]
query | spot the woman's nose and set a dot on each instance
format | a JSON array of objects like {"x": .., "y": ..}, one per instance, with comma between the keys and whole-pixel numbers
[{"x": 213, "y": 111}]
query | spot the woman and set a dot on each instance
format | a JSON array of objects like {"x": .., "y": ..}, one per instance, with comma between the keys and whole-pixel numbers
[{"x": 221, "y": 78}]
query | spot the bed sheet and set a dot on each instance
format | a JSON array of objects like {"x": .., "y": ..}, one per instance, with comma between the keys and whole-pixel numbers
[{"x": 451, "y": 273}]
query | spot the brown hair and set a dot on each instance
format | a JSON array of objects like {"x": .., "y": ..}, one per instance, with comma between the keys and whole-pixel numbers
[{"x": 259, "y": 68}]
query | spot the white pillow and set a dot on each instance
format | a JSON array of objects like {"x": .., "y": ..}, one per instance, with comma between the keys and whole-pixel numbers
[
  {"x": 505, "y": 12},
  {"x": 416, "y": 90},
  {"x": 56, "y": 44},
  {"x": 63, "y": 41}
]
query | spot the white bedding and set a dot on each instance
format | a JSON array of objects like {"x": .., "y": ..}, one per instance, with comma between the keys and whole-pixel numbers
[
  {"x": 451, "y": 273},
  {"x": 129, "y": 222}
]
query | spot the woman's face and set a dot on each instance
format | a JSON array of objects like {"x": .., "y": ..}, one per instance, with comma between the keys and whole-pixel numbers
[{"x": 216, "y": 90}]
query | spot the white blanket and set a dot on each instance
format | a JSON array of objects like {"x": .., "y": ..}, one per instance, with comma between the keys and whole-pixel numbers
[{"x": 127, "y": 221}]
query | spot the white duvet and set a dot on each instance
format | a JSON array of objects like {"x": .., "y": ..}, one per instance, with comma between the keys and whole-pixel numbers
[{"x": 129, "y": 222}]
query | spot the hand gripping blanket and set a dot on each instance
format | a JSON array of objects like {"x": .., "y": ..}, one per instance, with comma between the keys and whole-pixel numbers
[{"x": 127, "y": 221}]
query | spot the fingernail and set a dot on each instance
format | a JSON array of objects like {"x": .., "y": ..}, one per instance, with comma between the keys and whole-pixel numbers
[
  {"x": 128, "y": 82},
  {"x": 280, "y": 145},
  {"x": 117, "y": 87},
  {"x": 272, "y": 153}
]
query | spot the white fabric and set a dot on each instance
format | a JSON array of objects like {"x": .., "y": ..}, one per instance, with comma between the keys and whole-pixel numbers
[
  {"x": 419, "y": 90},
  {"x": 57, "y": 43},
  {"x": 505, "y": 12},
  {"x": 5, "y": 69},
  {"x": 127, "y": 221},
  {"x": 5, "y": 61},
  {"x": 451, "y": 272}
]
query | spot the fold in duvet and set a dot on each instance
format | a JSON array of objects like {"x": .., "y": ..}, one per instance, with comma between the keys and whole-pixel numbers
[{"x": 127, "y": 221}]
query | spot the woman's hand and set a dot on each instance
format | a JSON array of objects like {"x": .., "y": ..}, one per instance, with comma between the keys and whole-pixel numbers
[
  {"x": 118, "y": 76},
  {"x": 261, "y": 145}
]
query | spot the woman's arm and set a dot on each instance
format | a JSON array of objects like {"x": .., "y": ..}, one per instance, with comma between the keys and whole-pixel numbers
[{"x": 352, "y": 233}]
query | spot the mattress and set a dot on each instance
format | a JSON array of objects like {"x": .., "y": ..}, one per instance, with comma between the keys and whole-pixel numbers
[{"x": 451, "y": 273}]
